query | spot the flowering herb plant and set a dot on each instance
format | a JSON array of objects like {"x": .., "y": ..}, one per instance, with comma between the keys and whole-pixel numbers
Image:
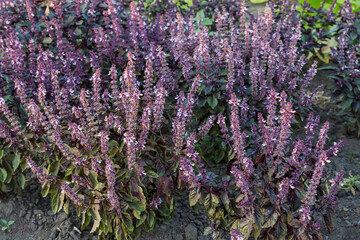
[
  {"x": 109, "y": 158},
  {"x": 116, "y": 112},
  {"x": 244, "y": 54},
  {"x": 273, "y": 188},
  {"x": 345, "y": 73}
]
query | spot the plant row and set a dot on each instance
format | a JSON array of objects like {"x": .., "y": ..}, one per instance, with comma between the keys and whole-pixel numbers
[{"x": 116, "y": 109}]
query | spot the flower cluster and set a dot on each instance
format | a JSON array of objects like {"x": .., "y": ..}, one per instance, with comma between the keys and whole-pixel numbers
[
  {"x": 73, "y": 195},
  {"x": 282, "y": 171},
  {"x": 43, "y": 177}
]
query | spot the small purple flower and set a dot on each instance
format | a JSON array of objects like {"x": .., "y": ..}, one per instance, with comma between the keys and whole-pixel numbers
[
  {"x": 315, "y": 180},
  {"x": 131, "y": 149},
  {"x": 223, "y": 128},
  {"x": 140, "y": 171},
  {"x": 333, "y": 150},
  {"x": 316, "y": 225},
  {"x": 283, "y": 191},
  {"x": 322, "y": 138},
  {"x": 207, "y": 125},
  {"x": 305, "y": 215},
  {"x": 65, "y": 186},
  {"x": 155, "y": 203},
  {"x": 334, "y": 188},
  {"x": 43, "y": 177},
  {"x": 79, "y": 180},
  {"x": 104, "y": 135},
  {"x": 95, "y": 164},
  {"x": 158, "y": 109},
  {"x": 241, "y": 181},
  {"x": 235, "y": 234},
  {"x": 110, "y": 176}
]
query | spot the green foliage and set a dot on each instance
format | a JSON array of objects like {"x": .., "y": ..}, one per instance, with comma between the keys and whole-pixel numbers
[
  {"x": 12, "y": 165},
  {"x": 184, "y": 4},
  {"x": 345, "y": 78},
  {"x": 121, "y": 185},
  {"x": 6, "y": 224},
  {"x": 317, "y": 4},
  {"x": 264, "y": 216},
  {"x": 350, "y": 183},
  {"x": 258, "y": 1},
  {"x": 318, "y": 30}
]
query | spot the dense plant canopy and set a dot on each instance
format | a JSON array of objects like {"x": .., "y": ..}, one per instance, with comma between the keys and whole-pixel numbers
[{"x": 115, "y": 107}]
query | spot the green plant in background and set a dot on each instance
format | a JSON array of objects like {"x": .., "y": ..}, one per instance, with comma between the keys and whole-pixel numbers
[
  {"x": 352, "y": 156},
  {"x": 6, "y": 224},
  {"x": 350, "y": 183},
  {"x": 317, "y": 28},
  {"x": 320, "y": 28},
  {"x": 345, "y": 74},
  {"x": 258, "y": 1},
  {"x": 327, "y": 4},
  {"x": 11, "y": 170},
  {"x": 184, "y": 4}
]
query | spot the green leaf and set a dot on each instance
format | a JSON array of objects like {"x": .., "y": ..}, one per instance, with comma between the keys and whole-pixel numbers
[
  {"x": 1, "y": 153},
  {"x": 126, "y": 219},
  {"x": 212, "y": 101},
  {"x": 208, "y": 89},
  {"x": 327, "y": 68},
  {"x": 69, "y": 170},
  {"x": 3, "y": 175},
  {"x": 86, "y": 217},
  {"x": 259, "y": 216},
  {"x": 47, "y": 40},
  {"x": 151, "y": 219},
  {"x": 45, "y": 189},
  {"x": 207, "y": 202},
  {"x": 281, "y": 231},
  {"x": 208, "y": 231},
  {"x": 54, "y": 168},
  {"x": 194, "y": 196},
  {"x": 219, "y": 155},
  {"x": 9, "y": 172},
  {"x": 226, "y": 201},
  {"x": 165, "y": 211},
  {"x": 93, "y": 178},
  {"x": 141, "y": 220},
  {"x": 66, "y": 206},
  {"x": 256, "y": 231},
  {"x": 346, "y": 103},
  {"x": 61, "y": 203},
  {"x": 214, "y": 200},
  {"x": 23, "y": 163},
  {"x": 16, "y": 160},
  {"x": 258, "y": 1},
  {"x": 3, "y": 222},
  {"x": 55, "y": 201},
  {"x": 21, "y": 180},
  {"x": 206, "y": 22},
  {"x": 272, "y": 219},
  {"x": 137, "y": 205},
  {"x": 244, "y": 226},
  {"x": 137, "y": 214},
  {"x": 152, "y": 173}
]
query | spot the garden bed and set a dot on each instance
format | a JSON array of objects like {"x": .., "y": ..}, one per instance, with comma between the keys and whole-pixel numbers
[{"x": 34, "y": 218}]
